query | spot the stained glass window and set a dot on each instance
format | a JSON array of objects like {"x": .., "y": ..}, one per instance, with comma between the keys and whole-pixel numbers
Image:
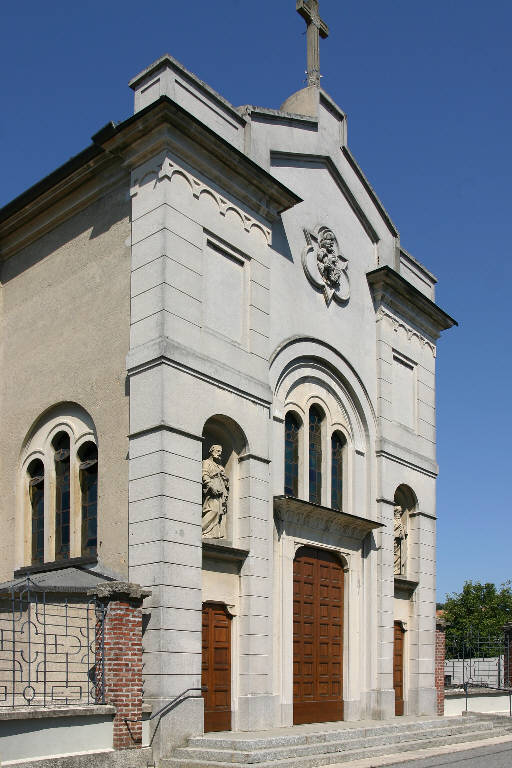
[
  {"x": 291, "y": 455},
  {"x": 315, "y": 454},
  {"x": 89, "y": 488},
  {"x": 62, "y": 497},
  {"x": 337, "y": 443},
  {"x": 36, "y": 496}
]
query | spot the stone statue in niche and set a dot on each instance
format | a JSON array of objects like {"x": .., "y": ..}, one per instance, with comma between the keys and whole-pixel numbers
[
  {"x": 325, "y": 266},
  {"x": 215, "y": 495},
  {"x": 400, "y": 536}
]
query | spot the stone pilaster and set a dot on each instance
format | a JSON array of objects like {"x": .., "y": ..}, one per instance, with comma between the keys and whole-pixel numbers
[
  {"x": 385, "y": 695},
  {"x": 256, "y": 705}
]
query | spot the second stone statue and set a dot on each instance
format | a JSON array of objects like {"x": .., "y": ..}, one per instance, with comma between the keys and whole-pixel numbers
[{"x": 215, "y": 495}]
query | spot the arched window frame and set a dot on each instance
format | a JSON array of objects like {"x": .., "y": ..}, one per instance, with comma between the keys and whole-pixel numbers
[{"x": 40, "y": 446}]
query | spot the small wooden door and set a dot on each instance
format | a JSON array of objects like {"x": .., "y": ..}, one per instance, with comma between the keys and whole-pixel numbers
[
  {"x": 398, "y": 668},
  {"x": 216, "y": 667},
  {"x": 318, "y": 581}
]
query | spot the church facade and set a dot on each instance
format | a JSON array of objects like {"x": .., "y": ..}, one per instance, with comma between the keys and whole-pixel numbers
[{"x": 219, "y": 383}]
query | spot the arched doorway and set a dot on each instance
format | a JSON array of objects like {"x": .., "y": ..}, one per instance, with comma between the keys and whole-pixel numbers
[
  {"x": 318, "y": 582},
  {"x": 216, "y": 667}
]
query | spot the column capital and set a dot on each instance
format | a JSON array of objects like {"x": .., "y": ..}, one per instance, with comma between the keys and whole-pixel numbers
[{"x": 119, "y": 590}]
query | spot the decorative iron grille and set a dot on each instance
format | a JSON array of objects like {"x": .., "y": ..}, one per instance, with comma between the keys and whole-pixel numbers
[
  {"x": 51, "y": 648},
  {"x": 478, "y": 660}
]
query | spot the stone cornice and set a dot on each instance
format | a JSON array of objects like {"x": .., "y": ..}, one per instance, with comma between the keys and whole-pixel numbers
[
  {"x": 118, "y": 148},
  {"x": 296, "y": 510},
  {"x": 406, "y": 586},
  {"x": 391, "y": 451},
  {"x": 166, "y": 351},
  {"x": 391, "y": 289},
  {"x": 215, "y": 549},
  {"x": 165, "y": 124},
  {"x": 186, "y": 74},
  {"x": 65, "y": 192}
]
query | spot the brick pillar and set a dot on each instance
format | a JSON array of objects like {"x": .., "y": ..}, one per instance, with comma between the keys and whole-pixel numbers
[
  {"x": 507, "y": 672},
  {"x": 122, "y": 662},
  {"x": 439, "y": 668}
]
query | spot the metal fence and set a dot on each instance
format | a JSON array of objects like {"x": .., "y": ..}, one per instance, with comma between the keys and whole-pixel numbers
[
  {"x": 51, "y": 648},
  {"x": 478, "y": 660}
]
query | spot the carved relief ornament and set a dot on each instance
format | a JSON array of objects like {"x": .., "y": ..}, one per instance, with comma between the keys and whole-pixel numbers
[
  {"x": 325, "y": 266},
  {"x": 409, "y": 332}
]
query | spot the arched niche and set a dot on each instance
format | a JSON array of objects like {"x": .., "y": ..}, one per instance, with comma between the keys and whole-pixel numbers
[
  {"x": 405, "y": 503},
  {"x": 220, "y": 430}
]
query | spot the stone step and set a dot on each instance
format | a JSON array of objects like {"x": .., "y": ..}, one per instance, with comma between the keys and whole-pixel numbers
[
  {"x": 341, "y": 757},
  {"x": 349, "y": 744},
  {"x": 278, "y": 754},
  {"x": 284, "y": 738}
]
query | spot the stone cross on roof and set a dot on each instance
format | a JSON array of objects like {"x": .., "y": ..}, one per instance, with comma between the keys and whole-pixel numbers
[{"x": 316, "y": 28}]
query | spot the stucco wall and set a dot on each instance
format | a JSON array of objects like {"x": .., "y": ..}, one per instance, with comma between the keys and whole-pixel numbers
[{"x": 65, "y": 335}]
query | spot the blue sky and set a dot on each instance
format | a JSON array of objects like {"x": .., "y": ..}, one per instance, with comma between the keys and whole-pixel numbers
[{"x": 426, "y": 87}]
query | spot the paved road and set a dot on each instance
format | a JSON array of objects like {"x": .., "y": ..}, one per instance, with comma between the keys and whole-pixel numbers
[{"x": 491, "y": 756}]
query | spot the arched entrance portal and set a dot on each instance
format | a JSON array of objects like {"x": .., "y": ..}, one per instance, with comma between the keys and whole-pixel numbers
[{"x": 318, "y": 581}]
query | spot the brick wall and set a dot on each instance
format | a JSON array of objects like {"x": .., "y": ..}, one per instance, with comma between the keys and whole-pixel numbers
[
  {"x": 122, "y": 662},
  {"x": 439, "y": 665}
]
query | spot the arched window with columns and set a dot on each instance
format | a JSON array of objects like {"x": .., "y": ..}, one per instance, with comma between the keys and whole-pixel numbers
[{"x": 58, "y": 487}]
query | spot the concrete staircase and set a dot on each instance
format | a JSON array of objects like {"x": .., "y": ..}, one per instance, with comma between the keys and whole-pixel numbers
[{"x": 308, "y": 746}]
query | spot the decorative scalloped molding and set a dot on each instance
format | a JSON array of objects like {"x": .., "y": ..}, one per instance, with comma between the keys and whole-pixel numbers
[
  {"x": 169, "y": 168},
  {"x": 410, "y": 332}
]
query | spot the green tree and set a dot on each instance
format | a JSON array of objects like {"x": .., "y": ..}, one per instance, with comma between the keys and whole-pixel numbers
[{"x": 477, "y": 614}]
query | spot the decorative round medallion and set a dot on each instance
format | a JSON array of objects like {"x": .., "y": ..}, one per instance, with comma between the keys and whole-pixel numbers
[{"x": 324, "y": 265}]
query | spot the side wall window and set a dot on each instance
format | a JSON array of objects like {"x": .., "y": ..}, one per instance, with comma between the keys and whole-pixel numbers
[
  {"x": 291, "y": 454},
  {"x": 58, "y": 487}
]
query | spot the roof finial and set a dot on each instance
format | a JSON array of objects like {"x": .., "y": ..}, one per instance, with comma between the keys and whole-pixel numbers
[{"x": 316, "y": 28}]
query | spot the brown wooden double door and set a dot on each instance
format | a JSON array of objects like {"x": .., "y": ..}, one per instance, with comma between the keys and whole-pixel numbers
[
  {"x": 398, "y": 668},
  {"x": 318, "y": 581},
  {"x": 216, "y": 667}
]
